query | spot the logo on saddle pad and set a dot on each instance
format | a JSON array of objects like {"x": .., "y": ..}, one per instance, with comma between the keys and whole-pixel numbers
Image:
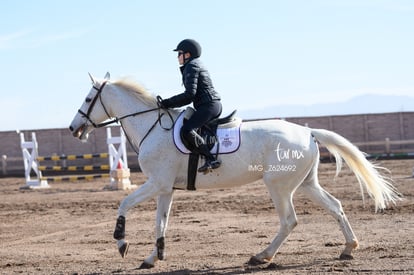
[{"x": 228, "y": 136}]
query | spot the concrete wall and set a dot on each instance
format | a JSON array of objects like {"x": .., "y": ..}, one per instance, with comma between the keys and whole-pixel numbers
[
  {"x": 364, "y": 128},
  {"x": 356, "y": 128},
  {"x": 367, "y": 127}
]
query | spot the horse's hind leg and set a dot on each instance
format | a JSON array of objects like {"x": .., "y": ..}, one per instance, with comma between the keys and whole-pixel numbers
[
  {"x": 321, "y": 197},
  {"x": 282, "y": 199}
]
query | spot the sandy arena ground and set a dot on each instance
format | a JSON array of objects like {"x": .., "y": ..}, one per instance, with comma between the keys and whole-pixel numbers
[{"x": 68, "y": 228}]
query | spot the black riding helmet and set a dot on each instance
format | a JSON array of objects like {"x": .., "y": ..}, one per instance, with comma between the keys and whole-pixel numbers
[{"x": 191, "y": 46}]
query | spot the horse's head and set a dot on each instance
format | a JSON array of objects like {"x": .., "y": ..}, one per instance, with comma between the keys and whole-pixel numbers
[{"x": 92, "y": 112}]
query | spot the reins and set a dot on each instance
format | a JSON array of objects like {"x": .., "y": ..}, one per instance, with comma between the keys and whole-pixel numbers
[
  {"x": 160, "y": 115},
  {"x": 119, "y": 119}
]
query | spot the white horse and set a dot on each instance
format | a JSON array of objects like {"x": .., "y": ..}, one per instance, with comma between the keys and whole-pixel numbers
[{"x": 282, "y": 154}]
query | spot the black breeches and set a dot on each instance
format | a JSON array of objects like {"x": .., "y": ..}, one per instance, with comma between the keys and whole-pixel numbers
[{"x": 201, "y": 116}]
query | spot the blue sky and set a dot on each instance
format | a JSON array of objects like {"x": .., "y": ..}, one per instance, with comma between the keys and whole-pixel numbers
[{"x": 259, "y": 53}]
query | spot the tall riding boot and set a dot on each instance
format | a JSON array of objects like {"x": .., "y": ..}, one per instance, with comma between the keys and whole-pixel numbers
[
  {"x": 211, "y": 161},
  {"x": 199, "y": 145}
]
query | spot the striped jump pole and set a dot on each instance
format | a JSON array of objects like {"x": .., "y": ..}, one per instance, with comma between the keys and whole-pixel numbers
[
  {"x": 73, "y": 157},
  {"x": 74, "y": 168},
  {"x": 76, "y": 178}
]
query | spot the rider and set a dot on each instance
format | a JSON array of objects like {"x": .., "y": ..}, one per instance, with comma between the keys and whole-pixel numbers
[{"x": 199, "y": 90}]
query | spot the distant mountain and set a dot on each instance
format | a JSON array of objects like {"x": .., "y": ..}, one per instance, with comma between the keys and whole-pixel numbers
[{"x": 363, "y": 104}]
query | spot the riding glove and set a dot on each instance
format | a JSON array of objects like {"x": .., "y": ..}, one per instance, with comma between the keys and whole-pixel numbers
[{"x": 166, "y": 103}]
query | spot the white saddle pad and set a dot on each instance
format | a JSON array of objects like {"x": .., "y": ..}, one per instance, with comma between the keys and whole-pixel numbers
[{"x": 228, "y": 138}]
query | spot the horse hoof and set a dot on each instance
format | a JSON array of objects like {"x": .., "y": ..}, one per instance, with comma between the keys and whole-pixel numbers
[
  {"x": 123, "y": 249},
  {"x": 346, "y": 257},
  {"x": 161, "y": 255},
  {"x": 255, "y": 261},
  {"x": 145, "y": 265}
]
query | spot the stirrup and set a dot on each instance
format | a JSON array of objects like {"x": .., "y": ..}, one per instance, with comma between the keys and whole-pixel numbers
[
  {"x": 215, "y": 164},
  {"x": 205, "y": 168},
  {"x": 209, "y": 165}
]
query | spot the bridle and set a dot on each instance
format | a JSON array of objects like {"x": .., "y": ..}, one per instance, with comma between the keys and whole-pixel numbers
[{"x": 119, "y": 119}]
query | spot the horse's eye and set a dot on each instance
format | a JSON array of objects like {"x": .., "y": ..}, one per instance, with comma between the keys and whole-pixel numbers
[{"x": 88, "y": 100}]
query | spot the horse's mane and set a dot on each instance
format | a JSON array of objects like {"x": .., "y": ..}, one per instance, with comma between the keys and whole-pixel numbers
[{"x": 137, "y": 90}]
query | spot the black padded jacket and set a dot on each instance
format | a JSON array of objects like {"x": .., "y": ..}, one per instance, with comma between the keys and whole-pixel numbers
[{"x": 198, "y": 86}]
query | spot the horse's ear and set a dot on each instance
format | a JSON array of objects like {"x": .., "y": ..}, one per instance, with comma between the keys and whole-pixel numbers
[
  {"x": 92, "y": 78},
  {"x": 107, "y": 76}
]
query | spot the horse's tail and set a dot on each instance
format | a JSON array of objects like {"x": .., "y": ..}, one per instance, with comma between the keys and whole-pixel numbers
[{"x": 379, "y": 188}]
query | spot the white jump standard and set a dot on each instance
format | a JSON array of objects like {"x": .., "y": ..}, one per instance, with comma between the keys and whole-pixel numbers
[{"x": 30, "y": 158}]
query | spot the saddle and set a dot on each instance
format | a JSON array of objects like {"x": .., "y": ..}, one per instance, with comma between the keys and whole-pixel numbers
[{"x": 209, "y": 133}]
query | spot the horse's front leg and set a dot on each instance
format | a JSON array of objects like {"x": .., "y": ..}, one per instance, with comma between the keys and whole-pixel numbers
[
  {"x": 163, "y": 212},
  {"x": 147, "y": 191}
]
